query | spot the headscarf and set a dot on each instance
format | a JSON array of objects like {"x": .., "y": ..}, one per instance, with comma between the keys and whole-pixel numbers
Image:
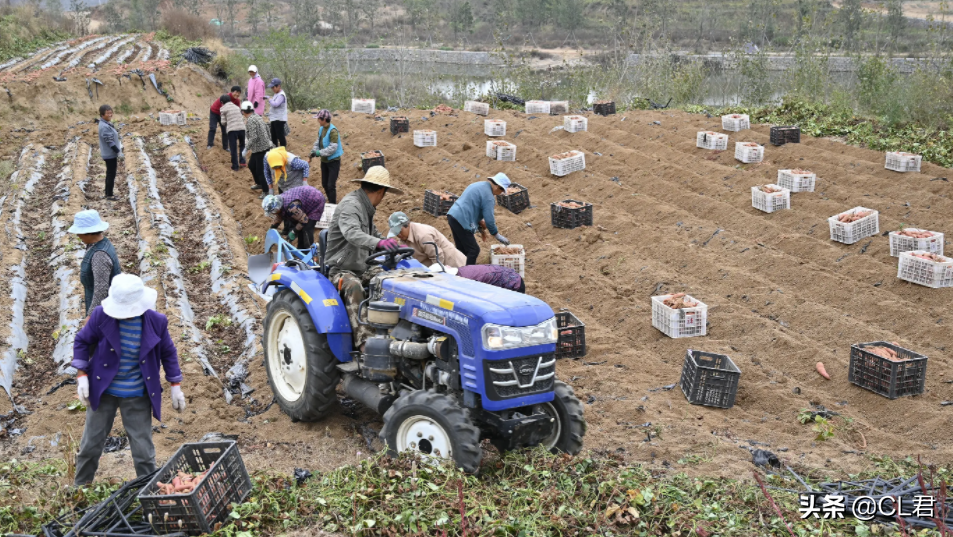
[
  {"x": 278, "y": 161},
  {"x": 324, "y": 114},
  {"x": 271, "y": 204}
]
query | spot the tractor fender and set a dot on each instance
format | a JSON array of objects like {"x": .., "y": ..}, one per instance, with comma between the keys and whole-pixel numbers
[{"x": 324, "y": 305}]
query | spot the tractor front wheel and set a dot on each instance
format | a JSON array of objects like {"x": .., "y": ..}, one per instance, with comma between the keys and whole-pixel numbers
[{"x": 570, "y": 425}]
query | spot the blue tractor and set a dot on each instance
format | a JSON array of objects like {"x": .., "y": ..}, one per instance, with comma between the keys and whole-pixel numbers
[{"x": 452, "y": 361}]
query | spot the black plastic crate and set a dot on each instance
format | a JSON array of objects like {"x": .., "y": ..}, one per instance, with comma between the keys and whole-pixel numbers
[
  {"x": 571, "y": 338},
  {"x": 886, "y": 377},
  {"x": 435, "y": 206},
  {"x": 197, "y": 512},
  {"x": 399, "y": 124},
  {"x": 709, "y": 379},
  {"x": 569, "y": 218},
  {"x": 515, "y": 202},
  {"x": 367, "y": 162},
  {"x": 604, "y": 109},
  {"x": 785, "y": 135}
]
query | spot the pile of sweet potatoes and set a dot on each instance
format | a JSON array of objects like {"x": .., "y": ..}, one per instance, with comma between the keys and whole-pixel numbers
[
  {"x": 853, "y": 216},
  {"x": 567, "y": 154},
  {"x": 886, "y": 352},
  {"x": 679, "y": 301},
  {"x": 570, "y": 205},
  {"x": 445, "y": 195},
  {"x": 372, "y": 154},
  {"x": 915, "y": 233},
  {"x": 769, "y": 189},
  {"x": 936, "y": 258},
  {"x": 513, "y": 190},
  {"x": 508, "y": 250},
  {"x": 801, "y": 171},
  {"x": 182, "y": 483}
]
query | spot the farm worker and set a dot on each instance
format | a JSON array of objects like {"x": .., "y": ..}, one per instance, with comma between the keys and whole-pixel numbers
[
  {"x": 117, "y": 357},
  {"x": 328, "y": 146},
  {"x": 257, "y": 143},
  {"x": 234, "y": 123},
  {"x": 110, "y": 148},
  {"x": 215, "y": 117},
  {"x": 284, "y": 170},
  {"x": 100, "y": 264},
  {"x": 278, "y": 115},
  {"x": 495, "y": 275},
  {"x": 352, "y": 237},
  {"x": 417, "y": 235},
  {"x": 256, "y": 90},
  {"x": 473, "y": 210},
  {"x": 299, "y": 208}
]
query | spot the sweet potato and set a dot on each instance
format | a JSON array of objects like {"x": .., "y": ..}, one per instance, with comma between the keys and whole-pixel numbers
[
  {"x": 508, "y": 250},
  {"x": 821, "y": 370},
  {"x": 885, "y": 352},
  {"x": 936, "y": 258},
  {"x": 915, "y": 233},
  {"x": 567, "y": 154},
  {"x": 768, "y": 189},
  {"x": 801, "y": 171},
  {"x": 679, "y": 301},
  {"x": 853, "y": 216},
  {"x": 513, "y": 190},
  {"x": 372, "y": 154},
  {"x": 570, "y": 205}
]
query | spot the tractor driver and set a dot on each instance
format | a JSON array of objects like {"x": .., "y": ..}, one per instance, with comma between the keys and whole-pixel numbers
[{"x": 352, "y": 237}]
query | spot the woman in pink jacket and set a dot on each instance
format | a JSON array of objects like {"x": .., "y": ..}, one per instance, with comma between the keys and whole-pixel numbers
[{"x": 256, "y": 90}]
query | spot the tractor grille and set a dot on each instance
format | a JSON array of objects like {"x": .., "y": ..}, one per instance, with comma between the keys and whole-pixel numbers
[{"x": 517, "y": 377}]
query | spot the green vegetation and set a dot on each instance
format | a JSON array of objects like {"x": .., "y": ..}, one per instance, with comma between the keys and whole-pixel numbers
[
  {"x": 175, "y": 43},
  {"x": 24, "y": 30},
  {"x": 223, "y": 321}
]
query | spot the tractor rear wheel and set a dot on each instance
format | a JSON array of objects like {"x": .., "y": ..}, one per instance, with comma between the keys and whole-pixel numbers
[
  {"x": 434, "y": 426},
  {"x": 570, "y": 425},
  {"x": 302, "y": 370}
]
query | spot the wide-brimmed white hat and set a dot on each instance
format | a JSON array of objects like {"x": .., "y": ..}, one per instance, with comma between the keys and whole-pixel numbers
[
  {"x": 88, "y": 221},
  {"x": 448, "y": 269},
  {"x": 129, "y": 297}
]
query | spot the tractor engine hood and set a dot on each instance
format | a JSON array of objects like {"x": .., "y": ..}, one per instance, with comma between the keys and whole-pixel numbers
[{"x": 477, "y": 300}]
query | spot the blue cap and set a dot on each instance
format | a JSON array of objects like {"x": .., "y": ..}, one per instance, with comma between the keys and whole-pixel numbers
[
  {"x": 501, "y": 180},
  {"x": 274, "y": 82},
  {"x": 88, "y": 221}
]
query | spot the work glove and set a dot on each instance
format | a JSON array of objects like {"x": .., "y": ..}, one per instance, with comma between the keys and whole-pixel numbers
[
  {"x": 271, "y": 191},
  {"x": 121, "y": 156},
  {"x": 82, "y": 389},
  {"x": 245, "y": 154},
  {"x": 503, "y": 240},
  {"x": 178, "y": 398},
  {"x": 390, "y": 245},
  {"x": 292, "y": 235}
]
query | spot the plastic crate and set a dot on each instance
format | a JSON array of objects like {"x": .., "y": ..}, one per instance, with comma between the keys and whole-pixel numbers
[
  {"x": 494, "y": 127},
  {"x": 709, "y": 379},
  {"x": 435, "y": 206},
  {"x": 796, "y": 181},
  {"x": 558, "y": 107},
  {"x": 363, "y": 106},
  {"x": 749, "y": 152},
  {"x": 785, "y": 135},
  {"x": 399, "y": 124},
  {"x": 197, "y": 512},
  {"x": 569, "y": 218},
  {"x": 575, "y": 123},
  {"x": 516, "y": 262},
  {"x": 735, "y": 122},
  {"x": 678, "y": 323},
  {"x": 903, "y": 162},
  {"x": 886, "y": 377},
  {"x": 537, "y": 107},
  {"x": 516, "y": 202},
  {"x": 326, "y": 217},
  {"x": 425, "y": 138},
  {"x": 770, "y": 202},
  {"x": 367, "y": 162},
  {"x": 500, "y": 150},
  {"x": 902, "y": 243},
  {"x": 172, "y": 117},
  {"x": 849, "y": 233},
  {"x": 935, "y": 274},
  {"x": 571, "y": 337},
  {"x": 605, "y": 108},
  {"x": 712, "y": 140},
  {"x": 476, "y": 107},
  {"x": 574, "y": 161}
]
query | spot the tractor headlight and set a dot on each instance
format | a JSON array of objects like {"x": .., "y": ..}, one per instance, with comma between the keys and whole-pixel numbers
[{"x": 497, "y": 337}]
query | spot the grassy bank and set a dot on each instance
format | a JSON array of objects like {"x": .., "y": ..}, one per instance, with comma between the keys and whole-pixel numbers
[
  {"x": 24, "y": 30},
  {"x": 522, "y": 494}
]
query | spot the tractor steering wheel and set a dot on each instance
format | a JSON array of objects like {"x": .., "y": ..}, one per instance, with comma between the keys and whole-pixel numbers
[{"x": 392, "y": 258}]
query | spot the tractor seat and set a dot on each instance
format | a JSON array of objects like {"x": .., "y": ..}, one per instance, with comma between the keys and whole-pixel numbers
[{"x": 322, "y": 249}]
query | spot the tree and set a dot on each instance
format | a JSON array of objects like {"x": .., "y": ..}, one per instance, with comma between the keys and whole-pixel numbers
[
  {"x": 851, "y": 15},
  {"x": 282, "y": 55},
  {"x": 80, "y": 17},
  {"x": 254, "y": 17},
  {"x": 461, "y": 18},
  {"x": 895, "y": 20}
]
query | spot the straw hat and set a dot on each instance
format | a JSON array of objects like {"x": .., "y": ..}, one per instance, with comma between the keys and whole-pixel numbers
[
  {"x": 378, "y": 175},
  {"x": 128, "y": 297}
]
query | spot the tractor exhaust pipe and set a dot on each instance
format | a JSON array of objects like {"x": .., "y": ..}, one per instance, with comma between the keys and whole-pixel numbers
[{"x": 368, "y": 393}]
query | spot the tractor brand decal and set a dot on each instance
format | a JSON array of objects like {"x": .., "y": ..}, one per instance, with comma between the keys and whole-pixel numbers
[
  {"x": 427, "y": 316},
  {"x": 304, "y": 296},
  {"x": 330, "y": 302},
  {"x": 399, "y": 301},
  {"x": 439, "y": 302},
  {"x": 451, "y": 315}
]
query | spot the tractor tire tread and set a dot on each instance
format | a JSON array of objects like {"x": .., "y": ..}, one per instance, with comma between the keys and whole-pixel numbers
[{"x": 570, "y": 440}]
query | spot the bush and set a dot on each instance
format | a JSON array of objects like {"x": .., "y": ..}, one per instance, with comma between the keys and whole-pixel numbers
[
  {"x": 191, "y": 27},
  {"x": 23, "y": 30}
]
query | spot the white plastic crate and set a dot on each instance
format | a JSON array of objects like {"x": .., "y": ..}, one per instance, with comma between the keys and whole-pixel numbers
[
  {"x": 902, "y": 243},
  {"x": 575, "y": 123},
  {"x": 516, "y": 262},
  {"x": 735, "y": 122},
  {"x": 926, "y": 272},
  {"x": 899, "y": 161},
  {"x": 849, "y": 233},
  {"x": 476, "y": 107},
  {"x": 494, "y": 127},
  {"x": 558, "y": 107},
  {"x": 749, "y": 152},
  {"x": 678, "y": 323},
  {"x": 770, "y": 201},
  {"x": 797, "y": 180},
  {"x": 363, "y": 106},
  {"x": 425, "y": 138},
  {"x": 327, "y": 216},
  {"x": 537, "y": 107},
  {"x": 574, "y": 161},
  {"x": 172, "y": 117},
  {"x": 500, "y": 150},
  {"x": 712, "y": 140}
]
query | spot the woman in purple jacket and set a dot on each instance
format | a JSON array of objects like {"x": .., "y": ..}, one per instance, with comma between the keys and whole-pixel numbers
[{"x": 117, "y": 357}]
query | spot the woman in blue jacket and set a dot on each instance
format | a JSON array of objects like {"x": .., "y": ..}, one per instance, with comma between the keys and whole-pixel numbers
[{"x": 473, "y": 211}]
